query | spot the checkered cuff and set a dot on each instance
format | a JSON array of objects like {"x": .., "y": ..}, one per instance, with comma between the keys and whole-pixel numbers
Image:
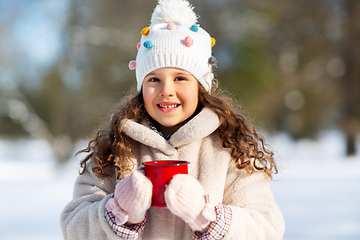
[
  {"x": 131, "y": 232},
  {"x": 219, "y": 227}
]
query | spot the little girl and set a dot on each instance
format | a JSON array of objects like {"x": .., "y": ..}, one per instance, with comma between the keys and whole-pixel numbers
[{"x": 175, "y": 115}]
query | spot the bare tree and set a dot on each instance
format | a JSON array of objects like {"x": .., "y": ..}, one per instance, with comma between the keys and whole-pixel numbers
[{"x": 351, "y": 80}]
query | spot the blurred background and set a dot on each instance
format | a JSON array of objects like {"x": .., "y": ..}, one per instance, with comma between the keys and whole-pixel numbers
[{"x": 292, "y": 65}]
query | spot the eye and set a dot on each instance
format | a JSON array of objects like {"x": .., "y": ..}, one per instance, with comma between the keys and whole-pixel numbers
[
  {"x": 180, "y": 79},
  {"x": 154, "y": 80}
]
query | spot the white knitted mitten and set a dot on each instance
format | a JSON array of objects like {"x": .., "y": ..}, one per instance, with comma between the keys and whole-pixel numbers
[
  {"x": 132, "y": 198},
  {"x": 186, "y": 198}
]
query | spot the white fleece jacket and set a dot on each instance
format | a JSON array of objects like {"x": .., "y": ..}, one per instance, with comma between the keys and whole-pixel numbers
[{"x": 255, "y": 215}]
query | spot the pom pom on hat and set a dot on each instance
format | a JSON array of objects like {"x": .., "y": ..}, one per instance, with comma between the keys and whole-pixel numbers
[
  {"x": 171, "y": 26},
  {"x": 132, "y": 65},
  {"x": 148, "y": 44},
  {"x": 194, "y": 28},
  {"x": 212, "y": 61},
  {"x": 177, "y": 11},
  {"x": 213, "y": 41},
  {"x": 145, "y": 31},
  {"x": 189, "y": 41}
]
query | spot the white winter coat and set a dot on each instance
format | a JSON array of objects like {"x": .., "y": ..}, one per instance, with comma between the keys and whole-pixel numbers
[{"x": 255, "y": 215}]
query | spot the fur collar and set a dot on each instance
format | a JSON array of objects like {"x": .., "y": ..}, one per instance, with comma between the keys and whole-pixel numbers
[{"x": 202, "y": 125}]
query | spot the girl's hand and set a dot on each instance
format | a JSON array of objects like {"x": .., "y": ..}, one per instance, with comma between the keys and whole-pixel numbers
[
  {"x": 186, "y": 198},
  {"x": 131, "y": 199}
]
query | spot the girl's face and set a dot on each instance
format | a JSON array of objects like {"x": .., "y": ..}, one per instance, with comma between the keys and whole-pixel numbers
[{"x": 170, "y": 97}]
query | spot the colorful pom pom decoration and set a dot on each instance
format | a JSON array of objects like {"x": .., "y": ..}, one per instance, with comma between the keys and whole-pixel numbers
[
  {"x": 171, "y": 26},
  {"x": 213, "y": 41},
  {"x": 132, "y": 65},
  {"x": 145, "y": 31},
  {"x": 194, "y": 28},
  {"x": 138, "y": 46},
  {"x": 189, "y": 41},
  {"x": 212, "y": 61},
  {"x": 148, "y": 44}
]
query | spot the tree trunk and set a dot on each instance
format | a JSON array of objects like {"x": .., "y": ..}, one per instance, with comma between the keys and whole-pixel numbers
[{"x": 352, "y": 76}]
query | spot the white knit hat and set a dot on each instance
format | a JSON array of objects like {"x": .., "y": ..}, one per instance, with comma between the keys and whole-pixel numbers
[{"x": 175, "y": 40}]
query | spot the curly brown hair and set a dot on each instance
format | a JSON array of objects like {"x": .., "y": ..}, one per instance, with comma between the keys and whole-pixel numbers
[{"x": 111, "y": 148}]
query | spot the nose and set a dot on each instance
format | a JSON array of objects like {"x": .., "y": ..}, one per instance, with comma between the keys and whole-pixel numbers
[{"x": 167, "y": 89}]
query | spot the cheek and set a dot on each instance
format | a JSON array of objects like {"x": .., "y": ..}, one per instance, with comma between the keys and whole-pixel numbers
[
  {"x": 195, "y": 101},
  {"x": 147, "y": 98},
  {"x": 192, "y": 97}
]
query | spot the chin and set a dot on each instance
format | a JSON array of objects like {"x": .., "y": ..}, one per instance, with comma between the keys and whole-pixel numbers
[{"x": 168, "y": 125}]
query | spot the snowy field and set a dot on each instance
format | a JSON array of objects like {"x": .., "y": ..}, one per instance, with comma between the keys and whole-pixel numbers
[{"x": 317, "y": 189}]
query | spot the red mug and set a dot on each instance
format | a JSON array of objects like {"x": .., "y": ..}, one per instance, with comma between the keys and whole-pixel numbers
[{"x": 160, "y": 173}]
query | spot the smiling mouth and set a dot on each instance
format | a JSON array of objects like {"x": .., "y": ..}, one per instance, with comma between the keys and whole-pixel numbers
[{"x": 168, "y": 106}]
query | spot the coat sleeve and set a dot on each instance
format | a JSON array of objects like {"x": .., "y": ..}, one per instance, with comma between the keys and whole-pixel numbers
[
  {"x": 255, "y": 215},
  {"x": 84, "y": 216}
]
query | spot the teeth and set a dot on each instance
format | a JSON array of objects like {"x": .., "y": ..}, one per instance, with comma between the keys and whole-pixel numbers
[{"x": 168, "y": 106}]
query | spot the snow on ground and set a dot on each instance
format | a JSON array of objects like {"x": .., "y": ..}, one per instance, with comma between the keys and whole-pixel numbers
[
  {"x": 317, "y": 189},
  {"x": 33, "y": 190}
]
